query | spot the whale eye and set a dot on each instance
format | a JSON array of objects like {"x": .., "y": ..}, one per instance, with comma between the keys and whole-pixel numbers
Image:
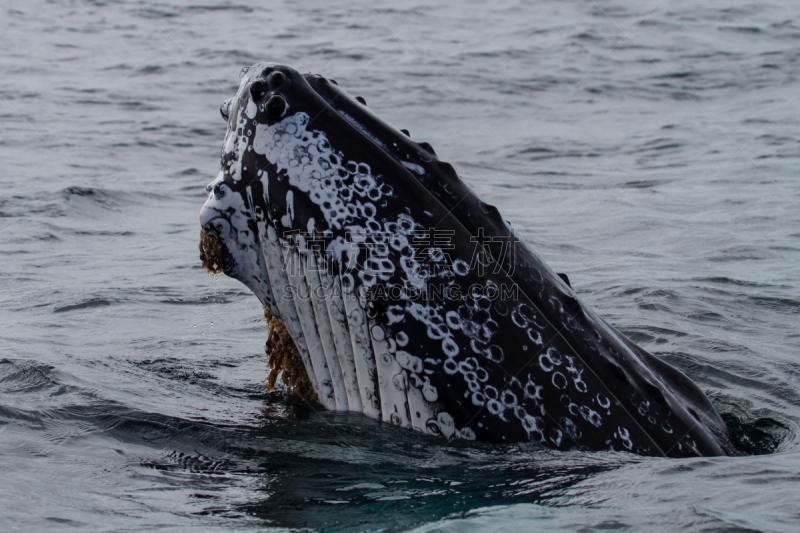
[
  {"x": 243, "y": 72},
  {"x": 225, "y": 109}
]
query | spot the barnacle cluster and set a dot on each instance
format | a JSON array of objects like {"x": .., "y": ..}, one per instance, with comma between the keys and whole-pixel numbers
[
  {"x": 210, "y": 253},
  {"x": 284, "y": 361}
]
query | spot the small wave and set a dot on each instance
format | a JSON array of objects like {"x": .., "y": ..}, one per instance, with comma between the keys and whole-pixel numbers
[
  {"x": 642, "y": 184},
  {"x": 760, "y": 436},
  {"x": 88, "y": 304},
  {"x": 99, "y": 196},
  {"x": 148, "y": 69},
  {"x": 101, "y": 233},
  {"x": 678, "y": 75},
  {"x": 738, "y": 253},
  {"x": 658, "y": 145},
  {"x": 742, "y": 29},
  {"x": 25, "y": 377},
  {"x": 722, "y": 280},
  {"x": 242, "y": 8},
  {"x": 786, "y": 305},
  {"x": 174, "y": 369}
]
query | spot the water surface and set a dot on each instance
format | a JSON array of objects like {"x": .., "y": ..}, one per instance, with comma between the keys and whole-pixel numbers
[{"x": 648, "y": 149}]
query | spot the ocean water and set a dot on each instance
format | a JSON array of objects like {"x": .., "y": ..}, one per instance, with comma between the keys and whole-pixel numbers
[{"x": 649, "y": 149}]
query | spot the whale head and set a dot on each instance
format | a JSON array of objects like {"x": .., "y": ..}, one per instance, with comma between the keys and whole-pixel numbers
[
  {"x": 315, "y": 194},
  {"x": 339, "y": 222},
  {"x": 302, "y": 160}
]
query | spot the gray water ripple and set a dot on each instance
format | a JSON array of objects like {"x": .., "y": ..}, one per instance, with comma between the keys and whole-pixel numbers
[{"x": 648, "y": 150}]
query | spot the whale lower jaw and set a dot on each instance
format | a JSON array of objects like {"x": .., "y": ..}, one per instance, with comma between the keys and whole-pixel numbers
[{"x": 351, "y": 362}]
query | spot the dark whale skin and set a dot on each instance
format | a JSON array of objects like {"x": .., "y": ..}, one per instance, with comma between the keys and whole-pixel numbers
[{"x": 540, "y": 367}]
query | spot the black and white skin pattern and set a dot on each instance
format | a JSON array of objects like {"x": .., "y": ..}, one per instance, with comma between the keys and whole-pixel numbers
[{"x": 411, "y": 300}]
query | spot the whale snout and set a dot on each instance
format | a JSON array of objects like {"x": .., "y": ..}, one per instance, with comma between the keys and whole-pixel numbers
[
  {"x": 229, "y": 241},
  {"x": 214, "y": 226}
]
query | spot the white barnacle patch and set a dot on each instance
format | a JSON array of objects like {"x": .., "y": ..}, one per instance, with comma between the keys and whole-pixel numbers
[
  {"x": 377, "y": 333},
  {"x": 460, "y": 267},
  {"x": 416, "y": 169},
  {"x": 534, "y": 426},
  {"x": 288, "y": 218},
  {"x": 496, "y": 408},
  {"x": 549, "y": 359},
  {"x": 571, "y": 406},
  {"x": 429, "y": 392},
  {"x": 490, "y": 392},
  {"x": 559, "y": 380},
  {"x": 236, "y": 142},
  {"x": 466, "y": 433},
  {"x": 446, "y": 424},
  {"x": 509, "y": 400},
  {"x": 533, "y": 391},
  {"x": 394, "y": 314},
  {"x": 251, "y": 110},
  {"x": 401, "y": 338},
  {"x": 535, "y": 336},
  {"x": 590, "y": 416},
  {"x": 408, "y": 361},
  {"x": 624, "y": 435},
  {"x": 570, "y": 428},
  {"x": 478, "y": 398},
  {"x": 575, "y": 371},
  {"x": 644, "y": 407},
  {"x": 317, "y": 169},
  {"x": 494, "y": 353},
  {"x": 603, "y": 401}
]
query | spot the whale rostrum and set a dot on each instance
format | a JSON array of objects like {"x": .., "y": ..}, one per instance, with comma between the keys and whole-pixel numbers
[{"x": 411, "y": 300}]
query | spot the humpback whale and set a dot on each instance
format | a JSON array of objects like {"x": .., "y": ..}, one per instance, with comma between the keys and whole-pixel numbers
[{"x": 411, "y": 300}]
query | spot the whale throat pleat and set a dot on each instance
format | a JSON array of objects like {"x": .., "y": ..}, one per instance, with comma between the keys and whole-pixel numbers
[
  {"x": 341, "y": 335},
  {"x": 299, "y": 290},
  {"x": 363, "y": 355},
  {"x": 392, "y": 381},
  {"x": 317, "y": 298},
  {"x": 285, "y": 307}
]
